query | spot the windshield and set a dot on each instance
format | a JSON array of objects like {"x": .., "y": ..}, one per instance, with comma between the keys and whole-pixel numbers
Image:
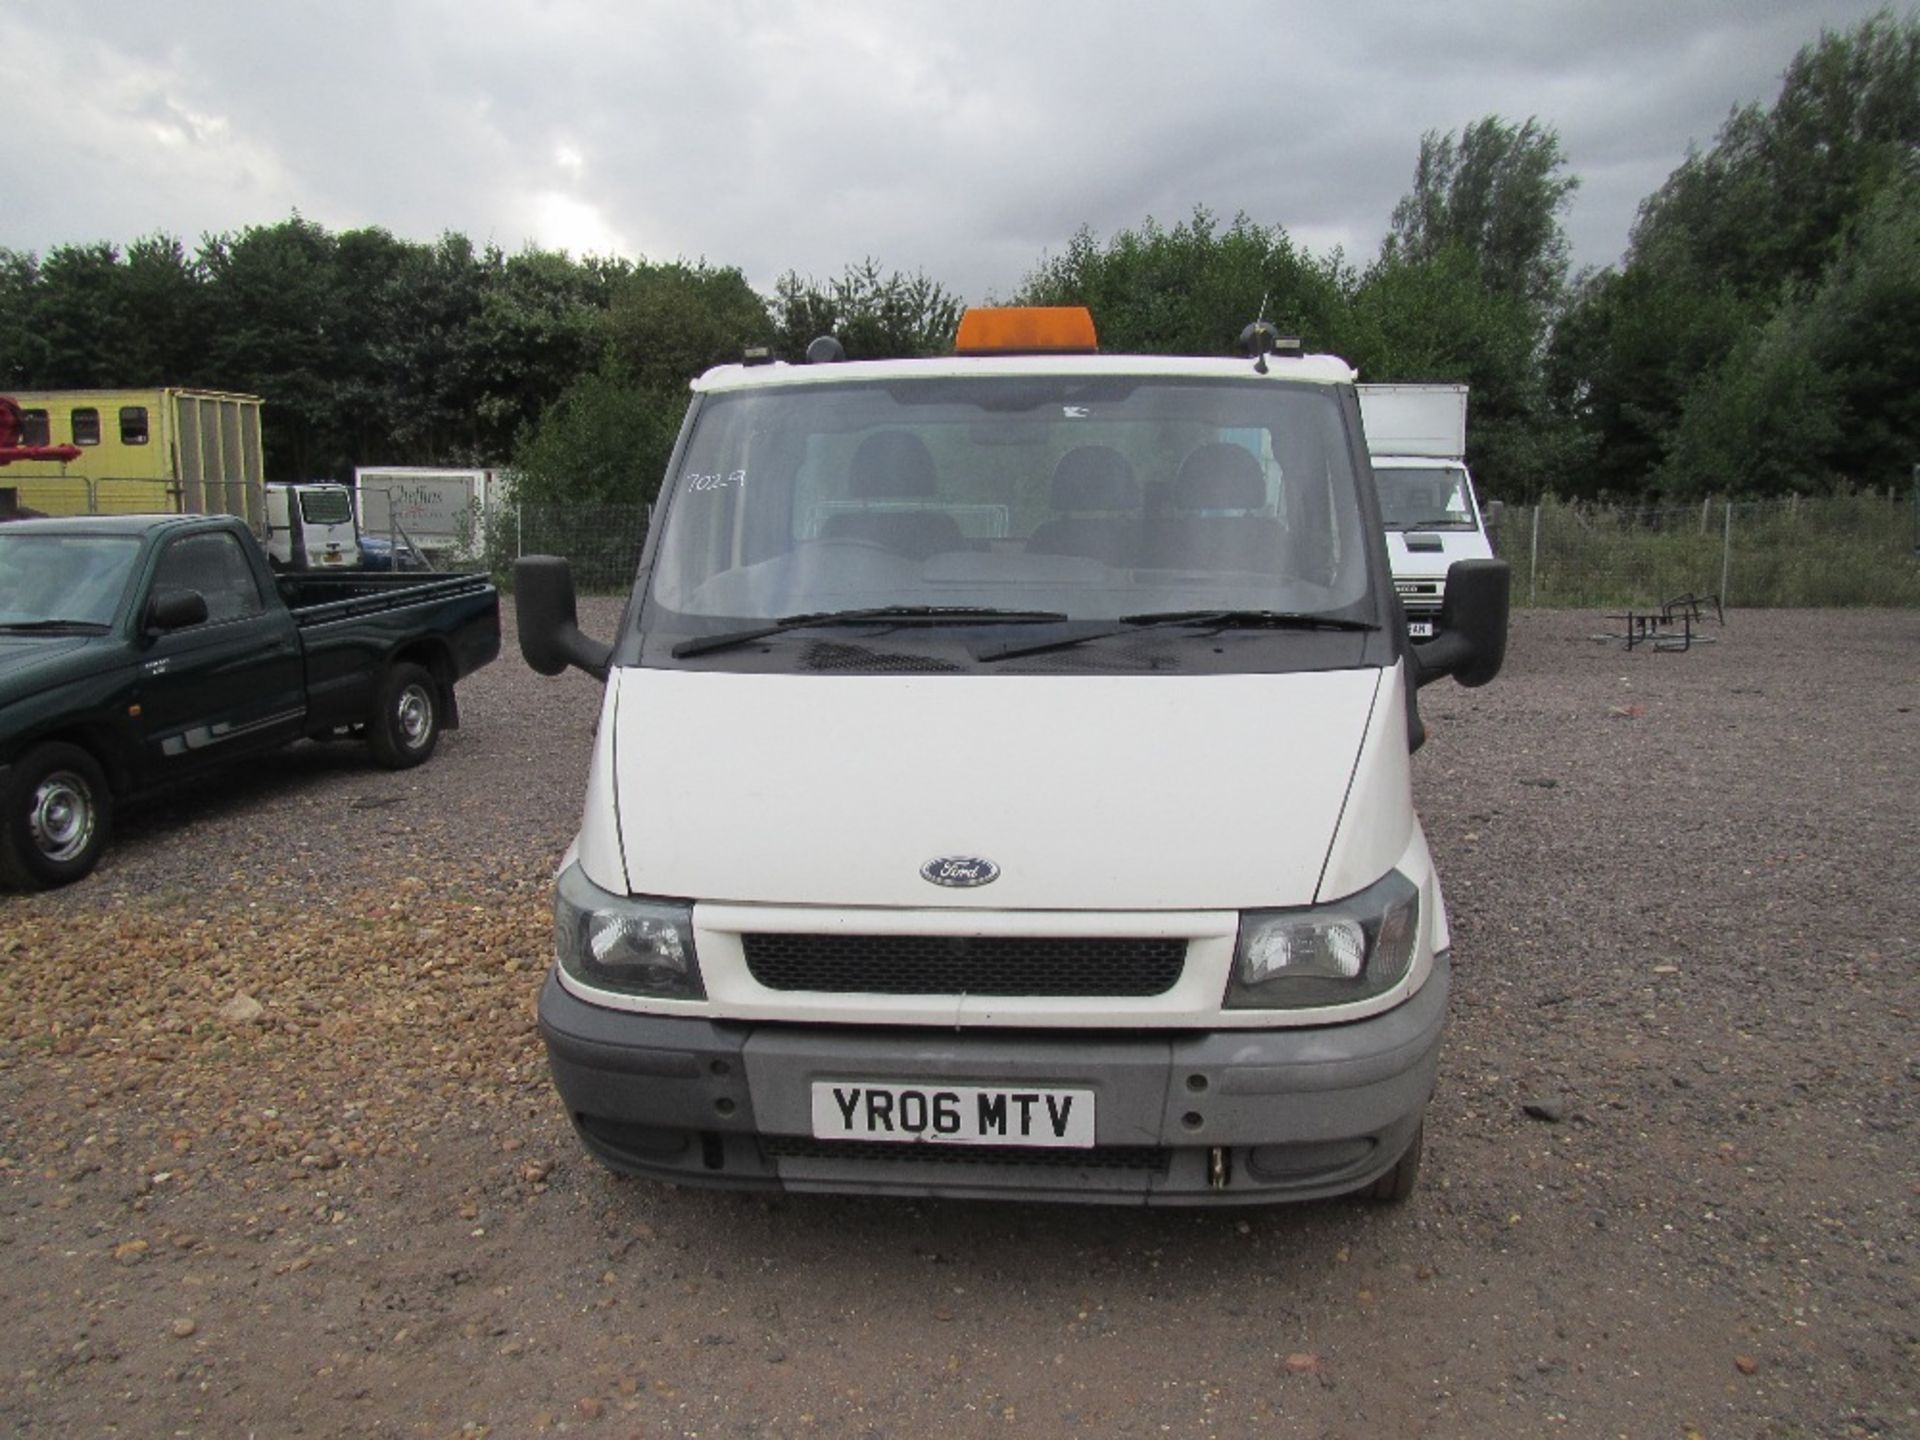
[
  {"x": 77, "y": 578},
  {"x": 1082, "y": 497},
  {"x": 325, "y": 507},
  {"x": 1424, "y": 498}
]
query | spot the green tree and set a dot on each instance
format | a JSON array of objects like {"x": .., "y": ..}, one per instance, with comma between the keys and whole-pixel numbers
[
  {"x": 1193, "y": 288},
  {"x": 667, "y": 323},
  {"x": 1497, "y": 192},
  {"x": 1628, "y": 348},
  {"x": 1437, "y": 320},
  {"x": 608, "y": 436},
  {"x": 606, "y": 440},
  {"x": 279, "y": 329},
  {"x": 874, "y": 316},
  {"x": 538, "y": 329},
  {"x": 1711, "y": 321},
  {"x": 1775, "y": 197},
  {"x": 1821, "y": 396},
  {"x": 23, "y": 349},
  {"x": 81, "y": 317},
  {"x": 1469, "y": 278},
  {"x": 163, "y": 301}
]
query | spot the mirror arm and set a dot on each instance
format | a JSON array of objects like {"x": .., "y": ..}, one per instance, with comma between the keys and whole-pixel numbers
[
  {"x": 1439, "y": 657},
  {"x": 583, "y": 652}
]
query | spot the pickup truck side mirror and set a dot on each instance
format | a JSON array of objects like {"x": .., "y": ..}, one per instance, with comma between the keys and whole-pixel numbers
[
  {"x": 548, "y": 619},
  {"x": 1491, "y": 513},
  {"x": 176, "y": 609},
  {"x": 1470, "y": 641}
]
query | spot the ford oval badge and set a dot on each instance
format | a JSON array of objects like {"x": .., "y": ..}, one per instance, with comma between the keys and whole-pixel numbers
[{"x": 960, "y": 870}]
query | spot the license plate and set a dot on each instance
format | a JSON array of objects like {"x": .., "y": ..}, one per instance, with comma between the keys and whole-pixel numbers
[
  {"x": 953, "y": 1114},
  {"x": 1420, "y": 629}
]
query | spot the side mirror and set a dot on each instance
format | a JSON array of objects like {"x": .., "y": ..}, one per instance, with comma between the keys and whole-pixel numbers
[
  {"x": 172, "y": 609},
  {"x": 1470, "y": 642},
  {"x": 548, "y": 619},
  {"x": 1491, "y": 513}
]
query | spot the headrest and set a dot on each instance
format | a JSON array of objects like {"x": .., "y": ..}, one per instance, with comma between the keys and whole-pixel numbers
[
  {"x": 1220, "y": 477},
  {"x": 892, "y": 465},
  {"x": 1095, "y": 477}
]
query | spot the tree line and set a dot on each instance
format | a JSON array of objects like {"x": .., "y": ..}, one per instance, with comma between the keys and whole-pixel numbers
[{"x": 1760, "y": 336}]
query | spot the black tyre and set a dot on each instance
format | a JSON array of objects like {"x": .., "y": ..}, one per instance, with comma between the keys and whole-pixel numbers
[
  {"x": 406, "y": 725},
  {"x": 59, "y": 812},
  {"x": 1397, "y": 1184}
]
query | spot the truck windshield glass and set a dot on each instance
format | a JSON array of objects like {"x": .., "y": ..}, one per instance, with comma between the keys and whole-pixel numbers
[
  {"x": 325, "y": 507},
  {"x": 1426, "y": 498},
  {"x": 1093, "y": 497},
  {"x": 74, "y": 578}
]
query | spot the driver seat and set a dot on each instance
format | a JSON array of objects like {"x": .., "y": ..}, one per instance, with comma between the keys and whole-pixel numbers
[{"x": 892, "y": 466}]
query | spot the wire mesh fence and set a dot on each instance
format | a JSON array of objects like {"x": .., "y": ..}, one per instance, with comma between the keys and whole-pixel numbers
[
  {"x": 1861, "y": 549},
  {"x": 602, "y": 543}
]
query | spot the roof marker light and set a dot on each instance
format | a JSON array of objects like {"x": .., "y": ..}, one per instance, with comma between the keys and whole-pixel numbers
[{"x": 1027, "y": 330}]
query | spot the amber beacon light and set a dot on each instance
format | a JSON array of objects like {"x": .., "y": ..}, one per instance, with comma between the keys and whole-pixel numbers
[{"x": 1027, "y": 330}]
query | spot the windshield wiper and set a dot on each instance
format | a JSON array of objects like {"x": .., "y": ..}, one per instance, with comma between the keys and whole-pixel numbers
[
  {"x": 875, "y": 615},
  {"x": 1214, "y": 620},
  {"x": 92, "y": 627}
]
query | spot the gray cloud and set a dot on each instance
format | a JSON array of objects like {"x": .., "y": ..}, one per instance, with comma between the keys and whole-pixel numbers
[{"x": 965, "y": 141}]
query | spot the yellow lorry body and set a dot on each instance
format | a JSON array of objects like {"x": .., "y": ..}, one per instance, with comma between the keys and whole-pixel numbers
[{"x": 159, "y": 451}]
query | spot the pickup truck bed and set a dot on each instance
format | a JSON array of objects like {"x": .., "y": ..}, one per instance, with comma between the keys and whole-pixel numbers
[
  {"x": 139, "y": 652},
  {"x": 350, "y": 624}
]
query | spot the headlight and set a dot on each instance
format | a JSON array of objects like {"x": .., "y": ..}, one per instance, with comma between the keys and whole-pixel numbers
[
  {"x": 1332, "y": 954},
  {"x": 636, "y": 946}
]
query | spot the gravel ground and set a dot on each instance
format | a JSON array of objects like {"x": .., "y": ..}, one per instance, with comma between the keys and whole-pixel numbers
[{"x": 278, "y": 1154}]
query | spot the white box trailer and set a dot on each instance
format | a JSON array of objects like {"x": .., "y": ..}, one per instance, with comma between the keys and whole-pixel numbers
[{"x": 445, "y": 512}]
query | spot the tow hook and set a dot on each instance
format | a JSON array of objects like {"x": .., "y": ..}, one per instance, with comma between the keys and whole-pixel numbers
[{"x": 1219, "y": 1167}]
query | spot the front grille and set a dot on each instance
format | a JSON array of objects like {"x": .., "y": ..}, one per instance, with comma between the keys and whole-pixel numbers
[
  {"x": 964, "y": 964},
  {"x": 1099, "y": 1157}
]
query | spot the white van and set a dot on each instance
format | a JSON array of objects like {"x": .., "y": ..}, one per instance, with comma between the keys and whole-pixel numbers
[
  {"x": 1417, "y": 436},
  {"x": 310, "y": 526},
  {"x": 1002, "y": 788}
]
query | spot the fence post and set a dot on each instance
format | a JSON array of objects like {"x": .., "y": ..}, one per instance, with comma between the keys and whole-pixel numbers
[
  {"x": 1706, "y": 506},
  {"x": 1533, "y": 561},
  {"x": 519, "y": 532},
  {"x": 1726, "y": 553}
]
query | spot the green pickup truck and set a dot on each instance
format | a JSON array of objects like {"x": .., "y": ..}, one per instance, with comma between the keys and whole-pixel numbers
[{"x": 140, "y": 651}]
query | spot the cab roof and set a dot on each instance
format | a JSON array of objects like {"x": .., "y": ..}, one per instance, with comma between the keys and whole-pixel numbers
[
  {"x": 1309, "y": 369},
  {"x": 105, "y": 524}
]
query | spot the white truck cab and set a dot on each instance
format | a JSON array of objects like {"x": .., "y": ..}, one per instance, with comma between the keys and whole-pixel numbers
[
  {"x": 310, "y": 526},
  {"x": 1417, "y": 436},
  {"x": 1002, "y": 788}
]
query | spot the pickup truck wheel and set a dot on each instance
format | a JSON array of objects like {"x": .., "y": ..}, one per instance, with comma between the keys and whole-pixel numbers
[
  {"x": 407, "y": 725},
  {"x": 59, "y": 810},
  {"x": 1397, "y": 1184}
]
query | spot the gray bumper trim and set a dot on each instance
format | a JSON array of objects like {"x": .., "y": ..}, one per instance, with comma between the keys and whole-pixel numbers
[{"x": 1298, "y": 1113}]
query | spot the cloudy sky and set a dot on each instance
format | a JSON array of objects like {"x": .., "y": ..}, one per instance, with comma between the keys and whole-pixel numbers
[{"x": 962, "y": 139}]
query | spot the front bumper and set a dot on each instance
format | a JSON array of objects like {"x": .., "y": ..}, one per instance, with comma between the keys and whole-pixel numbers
[{"x": 1229, "y": 1117}]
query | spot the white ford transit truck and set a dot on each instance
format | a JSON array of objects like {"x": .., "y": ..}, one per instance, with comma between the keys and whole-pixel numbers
[{"x": 1002, "y": 787}]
